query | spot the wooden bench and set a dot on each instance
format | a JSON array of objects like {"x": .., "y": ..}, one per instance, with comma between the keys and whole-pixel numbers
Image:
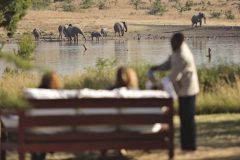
[{"x": 75, "y": 140}]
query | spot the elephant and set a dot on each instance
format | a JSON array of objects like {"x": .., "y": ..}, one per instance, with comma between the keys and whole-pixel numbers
[
  {"x": 73, "y": 31},
  {"x": 120, "y": 27},
  {"x": 96, "y": 34},
  {"x": 36, "y": 33},
  {"x": 104, "y": 31},
  {"x": 62, "y": 29},
  {"x": 198, "y": 18}
]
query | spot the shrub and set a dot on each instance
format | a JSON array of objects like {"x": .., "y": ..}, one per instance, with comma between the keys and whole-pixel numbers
[
  {"x": 136, "y": 3},
  {"x": 180, "y": 8},
  {"x": 229, "y": 14},
  {"x": 26, "y": 46},
  {"x": 68, "y": 7},
  {"x": 40, "y": 4},
  {"x": 157, "y": 8},
  {"x": 102, "y": 5},
  {"x": 189, "y": 4},
  {"x": 87, "y": 4},
  {"x": 215, "y": 15}
]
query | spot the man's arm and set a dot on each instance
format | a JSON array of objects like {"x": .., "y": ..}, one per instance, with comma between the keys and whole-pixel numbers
[{"x": 162, "y": 67}]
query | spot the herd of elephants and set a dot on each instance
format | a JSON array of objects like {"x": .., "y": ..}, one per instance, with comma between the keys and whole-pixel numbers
[{"x": 71, "y": 32}]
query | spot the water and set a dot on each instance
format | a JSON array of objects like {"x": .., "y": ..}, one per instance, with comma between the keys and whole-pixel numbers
[{"x": 68, "y": 58}]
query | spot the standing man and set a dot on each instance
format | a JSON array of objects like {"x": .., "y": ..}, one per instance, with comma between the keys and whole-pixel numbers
[{"x": 183, "y": 75}]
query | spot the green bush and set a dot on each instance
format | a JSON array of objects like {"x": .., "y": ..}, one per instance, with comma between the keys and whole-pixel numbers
[
  {"x": 157, "y": 8},
  {"x": 229, "y": 14},
  {"x": 26, "y": 46},
  {"x": 87, "y": 4},
  {"x": 215, "y": 15},
  {"x": 188, "y": 5},
  {"x": 102, "y": 5},
  {"x": 40, "y": 4},
  {"x": 68, "y": 7},
  {"x": 11, "y": 12}
]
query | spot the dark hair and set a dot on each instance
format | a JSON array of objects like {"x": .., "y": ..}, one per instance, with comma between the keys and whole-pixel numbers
[{"x": 176, "y": 41}]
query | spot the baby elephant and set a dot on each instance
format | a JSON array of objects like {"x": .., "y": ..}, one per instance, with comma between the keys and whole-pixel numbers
[
  {"x": 36, "y": 33},
  {"x": 104, "y": 32},
  {"x": 96, "y": 34}
]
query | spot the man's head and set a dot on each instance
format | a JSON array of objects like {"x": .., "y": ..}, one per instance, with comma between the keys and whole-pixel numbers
[{"x": 176, "y": 41}]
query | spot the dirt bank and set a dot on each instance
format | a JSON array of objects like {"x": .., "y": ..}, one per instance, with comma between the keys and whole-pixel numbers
[{"x": 139, "y": 23}]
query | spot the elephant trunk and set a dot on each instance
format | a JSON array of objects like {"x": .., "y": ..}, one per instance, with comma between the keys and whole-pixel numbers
[
  {"x": 125, "y": 26},
  {"x": 204, "y": 17}
]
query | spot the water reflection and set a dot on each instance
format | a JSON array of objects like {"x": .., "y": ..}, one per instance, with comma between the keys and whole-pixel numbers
[
  {"x": 121, "y": 51},
  {"x": 68, "y": 58}
]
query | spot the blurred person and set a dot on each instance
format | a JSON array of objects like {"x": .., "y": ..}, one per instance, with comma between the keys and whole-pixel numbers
[
  {"x": 183, "y": 75},
  {"x": 126, "y": 77},
  {"x": 50, "y": 80}
]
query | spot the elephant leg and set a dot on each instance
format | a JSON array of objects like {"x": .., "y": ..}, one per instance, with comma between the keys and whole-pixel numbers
[
  {"x": 122, "y": 32},
  {"x": 200, "y": 23}
]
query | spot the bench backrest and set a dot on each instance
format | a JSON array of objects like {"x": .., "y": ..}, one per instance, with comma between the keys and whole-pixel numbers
[{"x": 104, "y": 118}]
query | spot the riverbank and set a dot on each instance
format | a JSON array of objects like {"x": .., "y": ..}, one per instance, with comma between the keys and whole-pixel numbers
[{"x": 140, "y": 24}]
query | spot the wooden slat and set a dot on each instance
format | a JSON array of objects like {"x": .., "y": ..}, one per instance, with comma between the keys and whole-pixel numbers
[
  {"x": 9, "y": 146},
  {"x": 97, "y": 145},
  {"x": 10, "y": 129},
  {"x": 100, "y": 102},
  {"x": 94, "y": 120},
  {"x": 90, "y": 136}
]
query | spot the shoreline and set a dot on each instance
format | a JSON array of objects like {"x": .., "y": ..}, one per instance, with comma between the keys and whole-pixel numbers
[{"x": 154, "y": 32}]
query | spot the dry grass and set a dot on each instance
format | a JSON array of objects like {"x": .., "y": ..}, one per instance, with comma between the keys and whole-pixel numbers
[{"x": 93, "y": 19}]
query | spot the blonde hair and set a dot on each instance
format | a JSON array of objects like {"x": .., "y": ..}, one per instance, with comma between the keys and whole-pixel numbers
[
  {"x": 50, "y": 80},
  {"x": 126, "y": 77}
]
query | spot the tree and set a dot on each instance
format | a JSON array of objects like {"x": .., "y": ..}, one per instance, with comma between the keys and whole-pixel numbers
[{"x": 11, "y": 11}]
